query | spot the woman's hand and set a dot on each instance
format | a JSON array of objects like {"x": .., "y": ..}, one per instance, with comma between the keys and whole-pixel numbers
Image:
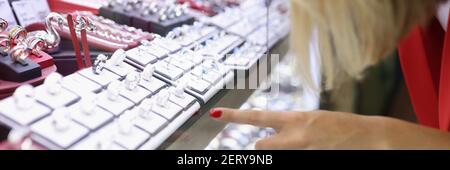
[{"x": 335, "y": 130}]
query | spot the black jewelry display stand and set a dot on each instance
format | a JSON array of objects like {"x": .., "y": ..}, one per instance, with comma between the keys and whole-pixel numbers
[
  {"x": 152, "y": 23},
  {"x": 13, "y": 71},
  {"x": 116, "y": 13},
  {"x": 149, "y": 23}
]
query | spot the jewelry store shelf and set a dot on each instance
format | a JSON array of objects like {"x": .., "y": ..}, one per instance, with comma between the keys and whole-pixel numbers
[{"x": 200, "y": 129}]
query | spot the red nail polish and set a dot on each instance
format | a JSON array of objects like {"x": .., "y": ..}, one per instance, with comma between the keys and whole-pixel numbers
[{"x": 215, "y": 113}]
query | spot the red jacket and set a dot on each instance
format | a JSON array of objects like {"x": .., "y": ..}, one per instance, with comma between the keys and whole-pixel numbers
[{"x": 425, "y": 60}]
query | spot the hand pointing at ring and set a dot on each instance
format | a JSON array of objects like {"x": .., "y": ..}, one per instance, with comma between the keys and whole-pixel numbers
[{"x": 333, "y": 130}]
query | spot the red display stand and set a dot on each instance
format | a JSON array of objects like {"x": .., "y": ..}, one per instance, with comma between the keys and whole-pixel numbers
[
  {"x": 44, "y": 60},
  {"x": 64, "y": 6}
]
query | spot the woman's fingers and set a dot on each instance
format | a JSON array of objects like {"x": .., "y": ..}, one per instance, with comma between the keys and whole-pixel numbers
[
  {"x": 253, "y": 117},
  {"x": 283, "y": 140},
  {"x": 268, "y": 143}
]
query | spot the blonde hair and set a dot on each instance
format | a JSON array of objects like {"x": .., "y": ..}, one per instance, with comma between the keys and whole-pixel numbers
[{"x": 352, "y": 34}]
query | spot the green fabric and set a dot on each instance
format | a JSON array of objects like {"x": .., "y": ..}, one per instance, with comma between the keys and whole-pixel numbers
[
  {"x": 375, "y": 92},
  {"x": 372, "y": 95}
]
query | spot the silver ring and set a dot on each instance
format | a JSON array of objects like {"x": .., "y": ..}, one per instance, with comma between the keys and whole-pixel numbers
[
  {"x": 128, "y": 7},
  {"x": 36, "y": 45},
  {"x": 178, "y": 11},
  {"x": 5, "y": 43},
  {"x": 84, "y": 22},
  {"x": 132, "y": 4},
  {"x": 112, "y": 3},
  {"x": 19, "y": 53},
  {"x": 24, "y": 97},
  {"x": 162, "y": 17},
  {"x": 132, "y": 80},
  {"x": 113, "y": 90},
  {"x": 3, "y": 24},
  {"x": 99, "y": 63},
  {"x": 127, "y": 39},
  {"x": 147, "y": 11},
  {"x": 17, "y": 34},
  {"x": 53, "y": 83},
  {"x": 61, "y": 119}
]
